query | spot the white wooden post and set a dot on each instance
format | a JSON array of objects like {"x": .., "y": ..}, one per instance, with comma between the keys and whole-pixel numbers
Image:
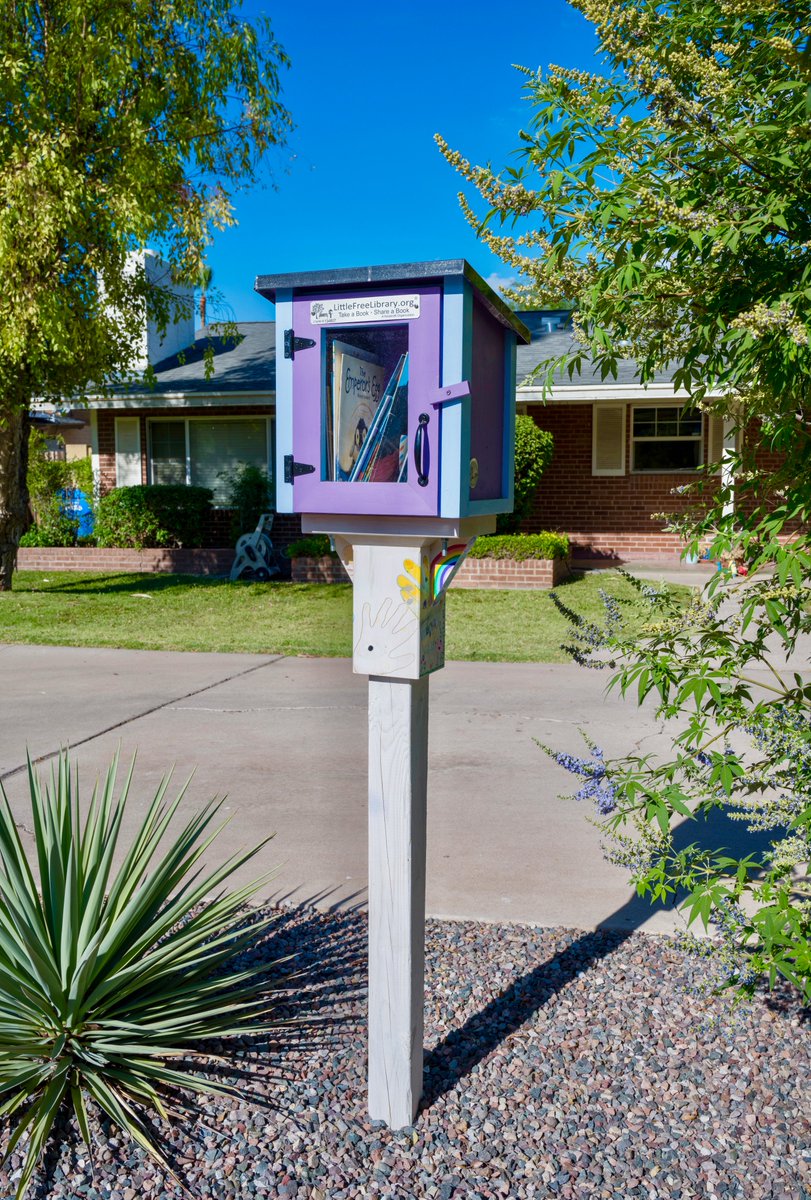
[
  {"x": 398, "y": 776},
  {"x": 399, "y": 581}
]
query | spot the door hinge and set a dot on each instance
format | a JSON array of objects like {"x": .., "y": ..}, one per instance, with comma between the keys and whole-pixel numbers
[
  {"x": 293, "y": 343},
  {"x": 291, "y": 468}
]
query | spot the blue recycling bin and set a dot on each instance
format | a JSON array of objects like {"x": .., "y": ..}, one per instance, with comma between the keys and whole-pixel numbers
[{"x": 75, "y": 504}]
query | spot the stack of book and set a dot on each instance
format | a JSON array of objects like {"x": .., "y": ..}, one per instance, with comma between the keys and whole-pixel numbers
[{"x": 383, "y": 456}]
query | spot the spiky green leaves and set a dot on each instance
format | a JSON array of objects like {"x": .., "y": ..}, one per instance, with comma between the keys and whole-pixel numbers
[{"x": 117, "y": 965}]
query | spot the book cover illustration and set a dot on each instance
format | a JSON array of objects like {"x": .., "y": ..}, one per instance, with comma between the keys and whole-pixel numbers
[{"x": 358, "y": 380}]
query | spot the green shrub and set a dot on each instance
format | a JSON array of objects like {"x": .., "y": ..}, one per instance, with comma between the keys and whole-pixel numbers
[
  {"x": 250, "y": 493},
  {"x": 114, "y": 980},
  {"x": 46, "y": 477},
  {"x": 52, "y": 528},
  {"x": 150, "y": 515},
  {"x": 521, "y": 546},
  {"x": 533, "y": 453},
  {"x": 80, "y": 475},
  {"x": 45, "y": 474},
  {"x": 316, "y": 546}
]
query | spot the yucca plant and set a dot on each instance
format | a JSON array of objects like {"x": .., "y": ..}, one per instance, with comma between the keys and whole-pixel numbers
[{"x": 113, "y": 980}]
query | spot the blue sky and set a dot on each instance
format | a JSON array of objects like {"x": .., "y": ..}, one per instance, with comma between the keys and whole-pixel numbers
[{"x": 361, "y": 180}]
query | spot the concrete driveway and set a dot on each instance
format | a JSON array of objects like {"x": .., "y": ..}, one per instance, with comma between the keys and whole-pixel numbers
[{"x": 285, "y": 738}]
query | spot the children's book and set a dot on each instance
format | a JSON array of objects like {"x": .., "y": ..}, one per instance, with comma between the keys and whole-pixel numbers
[{"x": 358, "y": 380}]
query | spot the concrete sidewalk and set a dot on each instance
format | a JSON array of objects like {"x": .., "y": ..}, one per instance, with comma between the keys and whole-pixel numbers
[{"x": 285, "y": 738}]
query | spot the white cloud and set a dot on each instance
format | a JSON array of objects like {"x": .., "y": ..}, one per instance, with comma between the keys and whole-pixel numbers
[{"x": 499, "y": 282}]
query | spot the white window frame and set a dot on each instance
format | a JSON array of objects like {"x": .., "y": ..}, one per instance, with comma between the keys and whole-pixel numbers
[
  {"x": 267, "y": 418},
  {"x": 700, "y": 438}
]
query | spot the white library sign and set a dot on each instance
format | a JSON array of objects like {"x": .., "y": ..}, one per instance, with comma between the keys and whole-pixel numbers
[{"x": 344, "y": 311}]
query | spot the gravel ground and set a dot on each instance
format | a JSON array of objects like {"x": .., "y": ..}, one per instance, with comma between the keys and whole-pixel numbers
[{"x": 558, "y": 1063}]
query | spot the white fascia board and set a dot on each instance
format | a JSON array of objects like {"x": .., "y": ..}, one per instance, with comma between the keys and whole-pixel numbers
[
  {"x": 181, "y": 400},
  {"x": 589, "y": 394}
]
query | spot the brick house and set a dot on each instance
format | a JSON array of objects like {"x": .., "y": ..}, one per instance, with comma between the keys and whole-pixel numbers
[
  {"x": 192, "y": 429},
  {"x": 621, "y": 451}
]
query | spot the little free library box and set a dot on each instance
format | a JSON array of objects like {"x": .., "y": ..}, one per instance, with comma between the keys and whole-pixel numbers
[
  {"x": 395, "y": 435},
  {"x": 402, "y": 377}
]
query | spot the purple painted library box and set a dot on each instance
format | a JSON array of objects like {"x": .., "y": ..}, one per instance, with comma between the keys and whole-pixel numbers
[{"x": 395, "y": 391}]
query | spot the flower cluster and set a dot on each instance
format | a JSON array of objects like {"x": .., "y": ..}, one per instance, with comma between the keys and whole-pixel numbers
[{"x": 598, "y": 787}]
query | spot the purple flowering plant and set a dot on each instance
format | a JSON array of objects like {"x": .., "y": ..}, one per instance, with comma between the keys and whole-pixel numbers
[
  {"x": 725, "y": 669},
  {"x": 653, "y": 199}
]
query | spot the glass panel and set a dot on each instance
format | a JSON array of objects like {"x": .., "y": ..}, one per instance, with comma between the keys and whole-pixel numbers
[
  {"x": 644, "y": 422},
  {"x": 690, "y": 424},
  {"x": 366, "y": 405},
  {"x": 219, "y": 448},
  {"x": 167, "y": 441},
  {"x": 667, "y": 422},
  {"x": 666, "y": 456},
  {"x": 644, "y": 428}
]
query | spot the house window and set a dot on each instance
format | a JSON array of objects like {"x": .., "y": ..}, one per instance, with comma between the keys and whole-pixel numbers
[
  {"x": 167, "y": 441},
  {"x": 207, "y": 451},
  {"x": 665, "y": 439}
]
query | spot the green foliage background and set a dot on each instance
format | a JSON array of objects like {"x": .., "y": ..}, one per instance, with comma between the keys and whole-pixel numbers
[
  {"x": 153, "y": 515},
  {"x": 46, "y": 476},
  {"x": 667, "y": 197},
  {"x": 127, "y": 124},
  {"x": 533, "y": 453}
]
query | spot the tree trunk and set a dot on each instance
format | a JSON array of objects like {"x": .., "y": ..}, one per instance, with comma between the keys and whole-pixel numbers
[{"x": 15, "y": 516}]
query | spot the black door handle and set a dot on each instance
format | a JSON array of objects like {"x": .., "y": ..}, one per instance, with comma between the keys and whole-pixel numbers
[{"x": 422, "y": 450}]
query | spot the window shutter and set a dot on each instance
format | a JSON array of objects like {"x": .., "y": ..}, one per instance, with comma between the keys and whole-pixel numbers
[
  {"x": 127, "y": 451},
  {"x": 608, "y": 439},
  {"x": 715, "y": 442}
]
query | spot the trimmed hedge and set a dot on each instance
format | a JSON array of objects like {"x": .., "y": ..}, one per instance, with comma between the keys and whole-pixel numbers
[
  {"x": 521, "y": 546},
  {"x": 316, "y": 546},
  {"x": 518, "y": 546},
  {"x": 153, "y": 516}
]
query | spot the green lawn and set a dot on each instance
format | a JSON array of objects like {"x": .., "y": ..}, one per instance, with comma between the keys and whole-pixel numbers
[{"x": 185, "y": 612}]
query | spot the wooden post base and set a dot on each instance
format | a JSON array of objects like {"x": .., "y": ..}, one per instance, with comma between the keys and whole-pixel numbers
[{"x": 398, "y": 773}]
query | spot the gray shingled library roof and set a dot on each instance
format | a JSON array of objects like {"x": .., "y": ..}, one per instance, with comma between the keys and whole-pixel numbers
[{"x": 248, "y": 364}]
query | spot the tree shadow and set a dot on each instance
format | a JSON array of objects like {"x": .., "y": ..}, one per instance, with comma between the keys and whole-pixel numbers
[
  {"x": 102, "y": 585},
  {"x": 462, "y": 1049}
]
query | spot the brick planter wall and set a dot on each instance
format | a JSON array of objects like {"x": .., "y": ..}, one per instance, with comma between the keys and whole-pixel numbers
[
  {"x": 87, "y": 558},
  {"x": 510, "y": 573},
  {"x": 318, "y": 570},
  {"x": 473, "y": 573}
]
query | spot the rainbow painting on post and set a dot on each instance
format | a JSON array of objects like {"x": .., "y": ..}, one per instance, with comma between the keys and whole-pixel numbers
[{"x": 444, "y": 566}]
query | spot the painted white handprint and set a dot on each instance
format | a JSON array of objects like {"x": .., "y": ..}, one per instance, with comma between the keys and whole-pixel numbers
[{"x": 386, "y": 643}]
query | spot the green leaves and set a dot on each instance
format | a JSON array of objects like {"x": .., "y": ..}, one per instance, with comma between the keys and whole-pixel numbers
[
  {"x": 127, "y": 124},
  {"x": 741, "y": 751},
  {"x": 113, "y": 979},
  {"x": 670, "y": 196}
]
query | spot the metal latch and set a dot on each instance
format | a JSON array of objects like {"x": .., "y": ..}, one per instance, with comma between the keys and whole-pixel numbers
[
  {"x": 291, "y": 468},
  {"x": 293, "y": 343}
]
